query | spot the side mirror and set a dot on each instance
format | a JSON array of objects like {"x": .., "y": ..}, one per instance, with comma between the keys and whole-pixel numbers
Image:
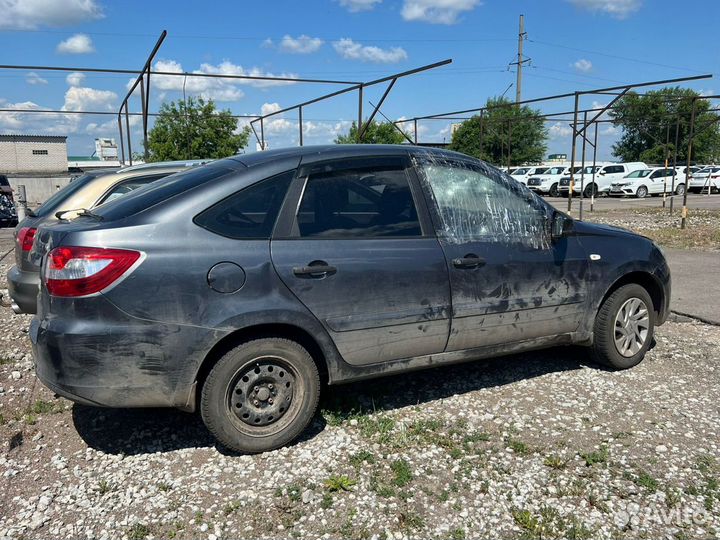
[
  {"x": 560, "y": 225},
  {"x": 602, "y": 173}
]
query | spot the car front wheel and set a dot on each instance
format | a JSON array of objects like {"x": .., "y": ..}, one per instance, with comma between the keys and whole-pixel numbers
[
  {"x": 680, "y": 189},
  {"x": 624, "y": 327},
  {"x": 260, "y": 395},
  {"x": 554, "y": 191},
  {"x": 641, "y": 192}
]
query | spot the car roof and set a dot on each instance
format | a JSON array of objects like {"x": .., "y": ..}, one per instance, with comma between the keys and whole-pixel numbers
[
  {"x": 160, "y": 164},
  {"x": 339, "y": 151}
]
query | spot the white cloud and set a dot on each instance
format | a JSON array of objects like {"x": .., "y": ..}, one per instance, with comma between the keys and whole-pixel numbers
[
  {"x": 351, "y": 50},
  {"x": 78, "y": 98},
  {"x": 212, "y": 87},
  {"x": 300, "y": 45},
  {"x": 34, "y": 78},
  {"x": 559, "y": 130},
  {"x": 619, "y": 9},
  {"x": 583, "y": 65},
  {"x": 30, "y": 14},
  {"x": 436, "y": 11},
  {"x": 77, "y": 44},
  {"x": 75, "y": 79},
  {"x": 609, "y": 129},
  {"x": 18, "y": 121},
  {"x": 354, "y": 6}
]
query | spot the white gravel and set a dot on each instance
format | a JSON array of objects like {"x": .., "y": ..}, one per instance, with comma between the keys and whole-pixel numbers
[{"x": 538, "y": 445}]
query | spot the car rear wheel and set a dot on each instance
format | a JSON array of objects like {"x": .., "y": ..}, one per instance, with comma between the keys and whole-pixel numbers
[
  {"x": 641, "y": 192},
  {"x": 680, "y": 189},
  {"x": 624, "y": 327},
  {"x": 554, "y": 191},
  {"x": 260, "y": 395}
]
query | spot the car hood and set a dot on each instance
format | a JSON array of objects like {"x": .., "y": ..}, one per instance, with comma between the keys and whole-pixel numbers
[{"x": 600, "y": 229}]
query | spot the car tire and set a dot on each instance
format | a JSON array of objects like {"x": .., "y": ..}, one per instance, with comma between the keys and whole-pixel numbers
[
  {"x": 641, "y": 192},
  {"x": 621, "y": 313},
  {"x": 590, "y": 191},
  {"x": 554, "y": 191},
  {"x": 260, "y": 395},
  {"x": 680, "y": 189}
]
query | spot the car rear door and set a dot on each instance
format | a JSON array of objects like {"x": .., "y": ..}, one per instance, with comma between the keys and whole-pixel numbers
[
  {"x": 509, "y": 282},
  {"x": 355, "y": 245}
]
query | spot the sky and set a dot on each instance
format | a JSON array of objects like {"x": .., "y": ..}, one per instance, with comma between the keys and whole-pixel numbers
[{"x": 570, "y": 45}]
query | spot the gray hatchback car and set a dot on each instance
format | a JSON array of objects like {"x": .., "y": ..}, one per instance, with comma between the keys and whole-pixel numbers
[{"x": 237, "y": 287}]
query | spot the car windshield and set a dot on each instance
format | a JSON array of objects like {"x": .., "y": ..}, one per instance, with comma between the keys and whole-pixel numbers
[
  {"x": 540, "y": 170},
  {"x": 589, "y": 169},
  {"x": 520, "y": 171},
  {"x": 555, "y": 170},
  {"x": 56, "y": 200},
  {"x": 640, "y": 173}
]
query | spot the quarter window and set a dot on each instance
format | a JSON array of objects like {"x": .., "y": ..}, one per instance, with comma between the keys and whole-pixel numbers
[
  {"x": 358, "y": 203},
  {"x": 249, "y": 213},
  {"x": 482, "y": 205},
  {"x": 614, "y": 169}
]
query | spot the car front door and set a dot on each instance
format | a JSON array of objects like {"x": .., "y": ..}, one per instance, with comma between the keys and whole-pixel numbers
[
  {"x": 356, "y": 247},
  {"x": 510, "y": 283}
]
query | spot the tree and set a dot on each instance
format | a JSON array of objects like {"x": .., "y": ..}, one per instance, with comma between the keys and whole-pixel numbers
[
  {"x": 486, "y": 136},
  {"x": 375, "y": 133},
  {"x": 645, "y": 120},
  {"x": 194, "y": 129}
]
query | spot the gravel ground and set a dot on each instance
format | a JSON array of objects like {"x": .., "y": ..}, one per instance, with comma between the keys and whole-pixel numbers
[{"x": 538, "y": 445}]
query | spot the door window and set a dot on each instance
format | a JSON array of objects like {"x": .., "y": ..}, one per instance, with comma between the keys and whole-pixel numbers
[
  {"x": 358, "y": 203},
  {"x": 475, "y": 204},
  {"x": 129, "y": 185},
  {"x": 614, "y": 169}
]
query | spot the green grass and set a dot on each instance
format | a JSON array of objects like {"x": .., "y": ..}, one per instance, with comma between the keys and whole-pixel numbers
[
  {"x": 363, "y": 456},
  {"x": 555, "y": 462},
  {"x": 402, "y": 472},
  {"x": 138, "y": 531},
  {"x": 457, "y": 534},
  {"x": 104, "y": 487},
  {"x": 596, "y": 456},
  {"x": 5, "y": 361},
  {"x": 518, "y": 446},
  {"x": 327, "y": 501},
  {"x": 548, "y": 523},
  {"x": 339, "y": 483}
]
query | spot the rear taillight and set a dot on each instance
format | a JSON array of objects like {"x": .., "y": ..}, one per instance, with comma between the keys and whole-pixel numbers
[
  {"x": 82, "y": 271},
  {"x": 26, "y": 237}
]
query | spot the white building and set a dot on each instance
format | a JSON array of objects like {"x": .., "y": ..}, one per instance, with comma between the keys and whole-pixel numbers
[{"x": 43, "y": 154}]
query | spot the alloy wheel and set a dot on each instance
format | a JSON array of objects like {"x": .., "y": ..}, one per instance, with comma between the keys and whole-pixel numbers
[{"x": 632, "y": 324}]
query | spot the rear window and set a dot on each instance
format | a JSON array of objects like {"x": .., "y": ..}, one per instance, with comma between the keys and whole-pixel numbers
[
  {"x": 151, "y": 194},
  {"x": 249, "y": 213}
]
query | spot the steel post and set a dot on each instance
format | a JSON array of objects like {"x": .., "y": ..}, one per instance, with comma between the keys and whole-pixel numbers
[
  {"x": 300, "y": 123},
  {"x": 688, "y": 174},
  {"x": 127, "y": 127},
  {"x": 415, "y": 130},
  {"x": 572, "y": 152},
  {"x": 360, "y": 112},
  {"x": 684, "y": 213},
  {"x": 21, "y": 203},
  {"x": 667, "y": 159},
  {"x": 582, "y": 171}
]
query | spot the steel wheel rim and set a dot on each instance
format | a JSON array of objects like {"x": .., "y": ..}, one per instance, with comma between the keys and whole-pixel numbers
[
  {"x": 632, "y": 326},
  {"x": 641, "y": 192},
  {"x": 263, "y": 396}
]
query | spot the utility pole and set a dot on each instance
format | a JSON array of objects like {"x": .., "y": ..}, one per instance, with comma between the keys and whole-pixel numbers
[{"x": 522, "y": 35}]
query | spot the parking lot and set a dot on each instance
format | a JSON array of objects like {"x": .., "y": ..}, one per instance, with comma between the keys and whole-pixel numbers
[{"x": 540, "y": 445}]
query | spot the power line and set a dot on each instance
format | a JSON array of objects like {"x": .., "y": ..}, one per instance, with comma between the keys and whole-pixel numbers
[{"x": 615, "y": 56}]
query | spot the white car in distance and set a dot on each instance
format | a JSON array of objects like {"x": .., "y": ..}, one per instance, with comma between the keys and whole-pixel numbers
[
  {"x": 523, "y": 173},
  {"x": 548, "y": 182},
  {"x": 643, "y": 182}
]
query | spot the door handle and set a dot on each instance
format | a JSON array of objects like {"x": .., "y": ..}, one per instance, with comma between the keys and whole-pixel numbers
[
  {"x": 468, "y": 261},
  {"x": 314, "y": 270}
]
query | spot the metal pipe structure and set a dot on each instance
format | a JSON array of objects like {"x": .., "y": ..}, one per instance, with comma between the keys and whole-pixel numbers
[
  {"x": 360, "y": 88},
  {"x": 684, "y": 212},
  {"x": 572, "y": 153},
  {"x": 592, "y": 193},
  {"x": 180, "y": 74},
  {"x": 582, "y": 171},
  {"x": 374, "y": 113},
  {"x": 300, "y": 124},
  {"x": 145, "y": 98},
  {"x": 675, "y": 152},
  {"x": 667, "y": 160}
]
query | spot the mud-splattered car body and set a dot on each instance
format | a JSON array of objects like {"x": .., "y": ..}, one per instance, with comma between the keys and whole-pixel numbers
[{"x": 463, "y": 275}]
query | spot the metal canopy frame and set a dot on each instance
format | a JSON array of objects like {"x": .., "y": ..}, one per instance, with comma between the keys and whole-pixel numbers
[{"x": 359, "y": 87}]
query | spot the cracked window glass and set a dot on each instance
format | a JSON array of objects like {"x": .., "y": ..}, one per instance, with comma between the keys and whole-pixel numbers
[{"x": 477, "y": 203}]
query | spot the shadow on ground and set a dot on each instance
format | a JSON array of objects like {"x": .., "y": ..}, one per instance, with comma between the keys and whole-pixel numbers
[{"x": 148, "y": 431}]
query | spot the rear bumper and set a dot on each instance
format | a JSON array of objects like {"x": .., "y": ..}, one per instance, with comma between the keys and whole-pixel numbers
[
  {"x": 118, "y": 363},
  {"x": 23, "y": 287}
]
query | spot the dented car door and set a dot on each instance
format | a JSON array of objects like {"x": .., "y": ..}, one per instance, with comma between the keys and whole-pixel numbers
[{"x": 510, "y": 282}]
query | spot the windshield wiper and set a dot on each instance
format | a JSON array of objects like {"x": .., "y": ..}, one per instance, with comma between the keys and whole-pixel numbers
[{"x": 84, "y": 212}]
